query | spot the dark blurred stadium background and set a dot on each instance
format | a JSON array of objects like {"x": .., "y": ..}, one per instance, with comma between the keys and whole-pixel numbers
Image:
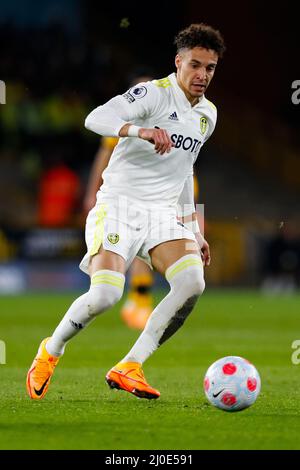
[{"x": 60, "y": 59}]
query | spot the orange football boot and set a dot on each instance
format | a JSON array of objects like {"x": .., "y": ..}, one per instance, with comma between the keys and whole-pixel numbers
[
  {"x": 129, "y": 376},
  {"x": 40, "y": 372}
]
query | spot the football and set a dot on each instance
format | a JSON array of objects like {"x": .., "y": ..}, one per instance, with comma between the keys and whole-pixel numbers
[{"x": 232, "y": 383}]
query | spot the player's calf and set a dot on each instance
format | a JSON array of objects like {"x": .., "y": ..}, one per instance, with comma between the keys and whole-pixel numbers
[
  {"x": 187, "y": 283},
  {"x": 186, "y": 280},
  {"x": 105, "y": 291}
]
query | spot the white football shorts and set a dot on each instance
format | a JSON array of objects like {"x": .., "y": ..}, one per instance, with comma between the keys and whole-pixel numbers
[{"x": 127, "y": 229}]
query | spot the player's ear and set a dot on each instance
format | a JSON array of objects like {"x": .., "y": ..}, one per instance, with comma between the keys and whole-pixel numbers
[{"x": 178, "y": 60}]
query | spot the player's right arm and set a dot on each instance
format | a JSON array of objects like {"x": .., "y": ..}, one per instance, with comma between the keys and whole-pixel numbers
[
  {"x": 158, "y": 137},
  {"x": 116, "y": 118}
]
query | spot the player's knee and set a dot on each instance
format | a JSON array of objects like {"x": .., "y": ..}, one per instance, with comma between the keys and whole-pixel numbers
[
  {"x": 106, "y": 290},
  {"x": 198, "y": 282},
  {"x": 186, "y": 276},
  {"x": 194, "y": 281},
  {"x": 102, "y": 298}
]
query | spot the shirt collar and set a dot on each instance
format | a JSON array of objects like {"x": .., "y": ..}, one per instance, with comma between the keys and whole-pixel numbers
[{"x": 180, "y": 93}]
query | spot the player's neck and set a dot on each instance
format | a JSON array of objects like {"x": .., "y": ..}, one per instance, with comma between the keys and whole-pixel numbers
[{"x": 193, "y": 100}]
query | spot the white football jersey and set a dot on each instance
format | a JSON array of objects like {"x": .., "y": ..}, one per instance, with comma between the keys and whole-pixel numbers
[{"x": 135, "y": 170}]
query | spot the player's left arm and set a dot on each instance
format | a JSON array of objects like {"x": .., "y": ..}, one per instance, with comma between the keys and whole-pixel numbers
[
  {"x": 191, "y": 219},
  {"x": 188, "y": 215},
  {"x": 95, "y": 177}
]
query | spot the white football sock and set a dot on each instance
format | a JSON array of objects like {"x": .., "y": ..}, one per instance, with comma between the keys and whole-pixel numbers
[
  {"x": 105, "y": 291},
  {"x": 186, "y": 280}
]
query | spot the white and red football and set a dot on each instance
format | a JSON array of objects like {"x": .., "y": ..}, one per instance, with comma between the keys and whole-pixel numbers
[{"x": 232, "y": 383}]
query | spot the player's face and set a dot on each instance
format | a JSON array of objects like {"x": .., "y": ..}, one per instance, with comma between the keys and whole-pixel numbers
[{"x": 195, "y": 69}]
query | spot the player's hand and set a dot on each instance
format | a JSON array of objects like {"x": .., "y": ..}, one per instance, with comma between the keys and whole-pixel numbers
[
  {"x": 159, "y": 138},
  {"x": 204, "y": 249}
]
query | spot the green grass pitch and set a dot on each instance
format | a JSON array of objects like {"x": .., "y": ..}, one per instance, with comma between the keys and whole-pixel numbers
[{"x": 81, "y": 412}]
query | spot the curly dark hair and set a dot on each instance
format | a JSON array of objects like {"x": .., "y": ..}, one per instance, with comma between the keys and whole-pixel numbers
[{"x": 200, "y": 35}]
